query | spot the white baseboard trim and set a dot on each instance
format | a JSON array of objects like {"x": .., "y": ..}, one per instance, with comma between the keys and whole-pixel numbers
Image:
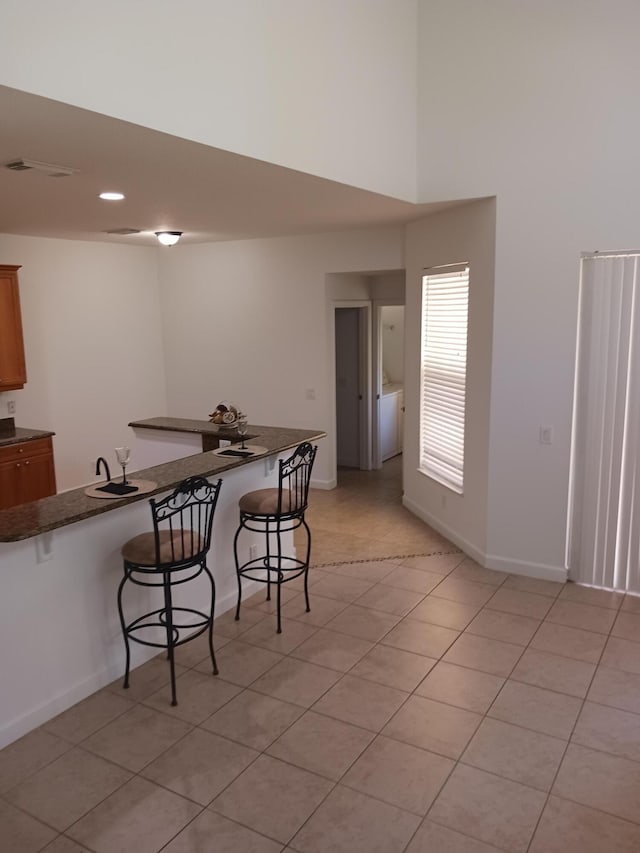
[
  {"x": 324, "y": 484},
  {"x": 511, "y": 565},
  {"x": 35, "y": 717}
]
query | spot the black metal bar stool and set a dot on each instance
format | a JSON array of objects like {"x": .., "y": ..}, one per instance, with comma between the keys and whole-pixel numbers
[
  {"x": 174, "y": 553},
  {"x": 273, "y": 512}
]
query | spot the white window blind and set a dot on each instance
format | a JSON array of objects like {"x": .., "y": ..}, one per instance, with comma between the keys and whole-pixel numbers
[{"x": 445, "y": 310}]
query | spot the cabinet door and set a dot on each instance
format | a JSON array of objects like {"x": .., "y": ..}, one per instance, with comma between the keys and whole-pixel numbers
[
  {"x": 13, "y": 372},
  {"x": 36, "y": 478},
  {"x": 9, "y": 484}
]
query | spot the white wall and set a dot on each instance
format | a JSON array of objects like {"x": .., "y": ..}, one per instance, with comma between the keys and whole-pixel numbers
[
  {"x": 462, "y": 234},
  {"x": 538, "y": 110},
  {"x": 328, "y": 88},
  {"x": 393, "y": 342},
  {"x": 252, "y": 321},
  {"x": 91, "y": 321}
]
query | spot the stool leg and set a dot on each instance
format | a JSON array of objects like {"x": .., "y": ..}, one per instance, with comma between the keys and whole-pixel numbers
[
  {"x": 280, "y": 576},
  {"x": 124, "y": 630},
  {"x": 268, "y": 560},
  {"x": 238, "y": 574},
  {"x": 213, "y": 607},
  {"x": 170, "y": 640},
  {"x": 306, "y": 566}
]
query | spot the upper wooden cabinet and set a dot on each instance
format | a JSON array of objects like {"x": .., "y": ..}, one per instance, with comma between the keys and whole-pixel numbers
[{"x": 13, "y": 371}]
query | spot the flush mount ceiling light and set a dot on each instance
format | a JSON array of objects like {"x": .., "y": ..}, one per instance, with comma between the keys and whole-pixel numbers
[
  {"x": 168, "y": 238},
  {"x": 111, "y": 196}
]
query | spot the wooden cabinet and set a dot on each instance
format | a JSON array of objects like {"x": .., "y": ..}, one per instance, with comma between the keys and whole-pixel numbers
[
  {"x": 26, "y": 472},
  {"x": 13, "y": 372}
]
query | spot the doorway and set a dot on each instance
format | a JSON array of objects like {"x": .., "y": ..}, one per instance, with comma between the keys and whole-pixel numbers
[{"x": 353, "y": 445}]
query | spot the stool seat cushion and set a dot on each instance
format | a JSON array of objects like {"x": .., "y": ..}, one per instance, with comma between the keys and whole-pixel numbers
[
  {"x": 265, "y": 502},
  {"x": 175, "y": 546}
]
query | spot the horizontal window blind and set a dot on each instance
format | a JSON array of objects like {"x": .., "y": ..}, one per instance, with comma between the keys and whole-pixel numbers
[{"x": 445, "y": 310}]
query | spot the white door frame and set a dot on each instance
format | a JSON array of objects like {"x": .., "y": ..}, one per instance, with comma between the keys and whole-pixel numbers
[
  {"x": 365, "y": 379},
  {"x": 378, "y": 304}
]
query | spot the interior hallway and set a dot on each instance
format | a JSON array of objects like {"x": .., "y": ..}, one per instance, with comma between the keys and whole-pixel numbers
[{"x": 425, "y": 704}]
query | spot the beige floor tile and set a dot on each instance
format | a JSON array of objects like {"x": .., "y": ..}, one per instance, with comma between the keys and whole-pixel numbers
[
  {"x": 333, "y": 650},
  {"x": 20, "y": 833},
  {"x": 390, "y": 599},
  {"x": 570, "y": 642},
  {"x": 457, "y": 685},
  {"x": 200, "y": 766},
  {"x": 393, "y": 667},
  {"x": 609, "y": 730},
  {"x": 342, "y": 587},
  {"x": 589, "y": 595},
  {"x": 622, "y": 654},
  {"x": 414, "y": 580},
  {"x": 67, "y": 788},
  {"x": 370, "y": 571},
  {"x": 492, "y": 656},
  {"x": 140, "y": 816},
  {"x": 296, "y": 681},
  {"x": 433, "y": 726},
  {"x": 363, "y": 703},
  {"x": 88, "y": 716},
  {"x": 469, "y": 570},
  {"x": 321, "y": 744},
  {"x": 63, "y": 844},
  {"x": 349, "y": 821},
  {"x": 399, "y": 774},
  {"x": 535, "y": 708},
  {"x": 24, "y": 757},
  {"x": 570, "y": 828},
  {"x": 197, "y": 651},
  {"x": 273, "y": 798},
  {"x": 508, "y": 627},
  {"x": 145, "y": 680},
  {"x": 422, "y": 638},
  {"x": 241, "y": 663},
  {"x": 554, "y": 672},
  {"x": 540, "y": 587},
  {"x": 226, "y": 625},
  {"x": 433, "y": 838},
  {"x": 515, "y": 753},
  {"x": 464, "y": 592},
  {"x": 322, "y": 610},
  {"x": 600, "y": 781},
  {"x": 585, "y": 616},
  {"x": 521, "y": 603},
  {"x": 136, "y": 738},
  {"x": 363, "y": 622},
  {"x": 489, "y": 808},
  {"x": 253, "y": 719},
  {"x": 199, "y": 695},
  {"x": 265, "y": 635},
  {"x": 212, "y": 833},
  {"x": 441, "y": 611},
  {"x": 631, "y": 603},
  {"x": 260, "y": 602},
  {"x": 615, "y": 688},
  {"x": 439, "y": 564},
  {"x": 627, "y": 627}
]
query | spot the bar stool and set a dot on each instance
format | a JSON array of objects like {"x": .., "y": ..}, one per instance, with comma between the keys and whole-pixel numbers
[
  {"x": 273, "y": 512},
  {"x": 174, "y": 553}
]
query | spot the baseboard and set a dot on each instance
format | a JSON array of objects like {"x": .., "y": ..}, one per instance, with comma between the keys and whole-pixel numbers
[
  {"x": 324, "y": 484},
  {"x": 511, "y": 565}
]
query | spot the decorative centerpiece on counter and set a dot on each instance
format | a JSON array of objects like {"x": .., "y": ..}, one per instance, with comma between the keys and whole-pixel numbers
[{"x": 225, "y": 415}]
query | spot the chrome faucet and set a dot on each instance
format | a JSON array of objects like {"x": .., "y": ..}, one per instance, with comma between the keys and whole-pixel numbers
[{"x": 105, "y": 464}]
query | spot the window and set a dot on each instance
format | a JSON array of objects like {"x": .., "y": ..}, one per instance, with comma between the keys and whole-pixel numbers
[{"x": 445, "y": 309}]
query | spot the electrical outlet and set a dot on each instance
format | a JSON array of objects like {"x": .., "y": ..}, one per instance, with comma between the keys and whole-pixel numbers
[{"x": 11, "y": 407}]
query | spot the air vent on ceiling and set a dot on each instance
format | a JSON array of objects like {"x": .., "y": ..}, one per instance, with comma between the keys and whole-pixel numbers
[
  {"x": 123, "y": 231},
  {"x": 49, "y": 169}
]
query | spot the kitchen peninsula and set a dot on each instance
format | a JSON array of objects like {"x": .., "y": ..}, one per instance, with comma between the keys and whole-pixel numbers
[{"x": 60, "y": 563}]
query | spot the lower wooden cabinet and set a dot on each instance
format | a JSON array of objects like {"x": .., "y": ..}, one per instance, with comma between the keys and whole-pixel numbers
[{"x": 27, "y": 472}]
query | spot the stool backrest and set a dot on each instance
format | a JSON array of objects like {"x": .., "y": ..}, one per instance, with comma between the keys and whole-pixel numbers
[
  {"x": 183, "y": 521},
  {"x": 294, "y": 479}
]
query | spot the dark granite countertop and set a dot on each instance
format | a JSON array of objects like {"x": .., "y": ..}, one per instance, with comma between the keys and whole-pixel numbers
[
  {"x": 32, "y": 519},
  {"x": 181, "y": 425},
  {"x": 19, "y": 434}
]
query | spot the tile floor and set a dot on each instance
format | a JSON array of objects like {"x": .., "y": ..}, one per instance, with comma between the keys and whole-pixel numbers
[{"x": 425, "y": 704}]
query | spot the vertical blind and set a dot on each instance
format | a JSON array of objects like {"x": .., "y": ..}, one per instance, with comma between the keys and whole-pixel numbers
[
  {"x": 445, "y": 308},
  {"x": 604, "y": 508}
]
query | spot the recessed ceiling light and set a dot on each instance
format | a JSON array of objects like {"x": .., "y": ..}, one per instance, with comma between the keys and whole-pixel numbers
[
  {"x": 112, "y": 196},
  {"x": 168, "y": 238}
]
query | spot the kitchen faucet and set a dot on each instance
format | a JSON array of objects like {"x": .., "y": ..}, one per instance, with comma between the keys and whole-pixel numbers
[{"x": 105, "y": 465}]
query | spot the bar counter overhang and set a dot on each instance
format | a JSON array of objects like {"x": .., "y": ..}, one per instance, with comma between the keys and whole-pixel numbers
[{"x": 60, "y": 637}]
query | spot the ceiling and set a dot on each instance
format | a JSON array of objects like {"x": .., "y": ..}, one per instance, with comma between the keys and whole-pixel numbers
[{"x": 170, "y": 183}]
